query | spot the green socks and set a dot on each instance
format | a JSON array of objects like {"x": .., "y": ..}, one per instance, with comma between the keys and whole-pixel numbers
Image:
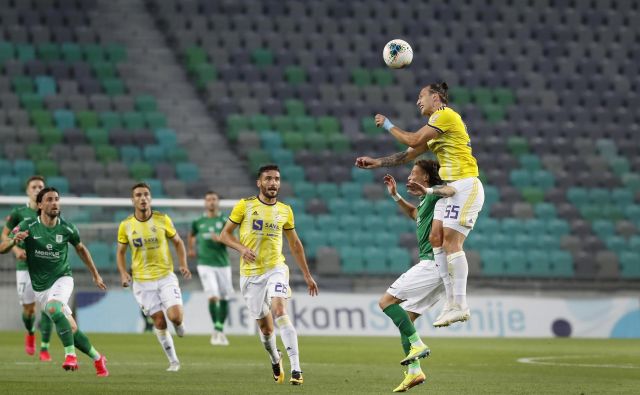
[
  {"x": 83, "y": 344},
  {"x": 63, "y": 327},
  {"x": 219, "y": 311},
  {"x": 29, "y": 321},
  {"x": 401, "y": 319},
  {"x": 45, "y": 328}
]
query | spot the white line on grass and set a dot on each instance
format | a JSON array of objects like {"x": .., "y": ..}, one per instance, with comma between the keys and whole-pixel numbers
[{"x": 549, "y": 362}]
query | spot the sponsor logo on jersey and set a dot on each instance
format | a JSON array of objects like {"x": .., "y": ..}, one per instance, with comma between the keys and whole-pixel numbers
[
  {"x": 137, "y": 242},
  {"x": 49, "y": 247},
  {"x": 154, "y": 229},
  {"x": 47, "y": 254},
  {"x": 58, "y": 238},
  {"x": 257, "y": 224},
  {"x": 255, "y": 213}
]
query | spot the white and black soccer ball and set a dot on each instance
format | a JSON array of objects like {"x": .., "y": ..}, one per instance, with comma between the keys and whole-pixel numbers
[{"x": 397, "y": 54}]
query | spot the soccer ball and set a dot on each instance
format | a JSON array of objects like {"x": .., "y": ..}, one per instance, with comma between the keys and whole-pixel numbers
[{"x": 397, "y": 54}]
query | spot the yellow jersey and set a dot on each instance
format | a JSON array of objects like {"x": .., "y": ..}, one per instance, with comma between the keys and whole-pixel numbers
[
  {"x": 150, "y": 255},
  {"x": 452, "y": 146},
  {"x": 261, "y": 227}
]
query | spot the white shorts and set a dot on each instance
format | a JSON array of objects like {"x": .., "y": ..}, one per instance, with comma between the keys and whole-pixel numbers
[
  {"x": 216, "y": 281},
  {"x": 25, "y": 290},
  {"x": 463, "y": 208},
  {"x": 438, "y": 210},
  {"x": 258, "y": 290},
  {"x": 419, "y": 287},
  {"x": 158, "y": 295},
  {"x": 60, "y": 290}
]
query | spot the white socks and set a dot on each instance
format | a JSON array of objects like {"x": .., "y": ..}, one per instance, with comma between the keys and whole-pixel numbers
[
  {"x": 165, "y": 339},
  {"x": 179, "y": 329},
  {"x": 269, "y": 343},
  {"x": 459, "y": 270},
  {"x": 290, "y": 339},
  {"x": 443, "y": 268}
]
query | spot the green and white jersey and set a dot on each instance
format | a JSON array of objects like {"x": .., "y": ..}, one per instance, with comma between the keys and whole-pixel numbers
[
  {"x": 210, "y": 253},
  {"x": 17, "y": 215},
  {"x": 47, "y": 250},
  {"x": 423, "y": 222}
]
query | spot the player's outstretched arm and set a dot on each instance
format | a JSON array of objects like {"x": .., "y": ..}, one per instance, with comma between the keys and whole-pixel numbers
[
  {"x": 121, "y": 261},
  {"x": 407, "y": 208},
  {"x": 85, "y": 255},
  {"x": 397, "y": 159},
  {"x": 10, "y": 242},
  {"x": 413, "y": 140},
  {"x": 20, "y": 253},
  {"x": 437, "y": 190},
  {"x": 178, "y": 244},
  {"x": 227, "y": 238},
  {"x": 295, "y": 245}
]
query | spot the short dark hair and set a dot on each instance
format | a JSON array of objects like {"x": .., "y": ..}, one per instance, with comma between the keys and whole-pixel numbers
[
  {"x": 211, "y": 192},
  {"x": 140, "y": 185},
  {"x": 442, "y": 89},
  {"x": 34, "y": 178},
  {"x": 43, "y": 192},
  {"x": 267, "y": 168},
  {"x": 431, "y": 167}
]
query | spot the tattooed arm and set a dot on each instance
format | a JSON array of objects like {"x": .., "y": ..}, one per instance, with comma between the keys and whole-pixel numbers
[
  {"x": 397, "y": 159},
  {"x": 438, "y": 190}
]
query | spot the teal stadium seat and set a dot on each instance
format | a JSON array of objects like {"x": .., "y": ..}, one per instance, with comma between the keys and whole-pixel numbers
[
  {"x": 492, "y": 262},
  {"x": 399, "y": 260},
  {"x": 304, "y": 190},
  {"x": 375, "y": 260},
  {"x": 339, "y": 206},
  {"x": 352, "y": 260},
  {"x": 187, "y": 171}
]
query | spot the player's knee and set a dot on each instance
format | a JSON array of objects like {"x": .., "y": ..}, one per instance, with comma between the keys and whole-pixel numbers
[
  {"x": 29, "y": 309},
  {"x": 54, "y": 310},
  {"x": 451, "y": 245},
  {"x": 158, "y": 321},
  {"x": 435, "y": 239},
  {"x": 279, "y": 310}
]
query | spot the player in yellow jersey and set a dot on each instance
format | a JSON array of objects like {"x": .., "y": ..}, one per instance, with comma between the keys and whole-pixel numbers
[
  {"x": 155, "y": 286},
  {"x": 264, "y": 276},
  {"x": 445, "y": 134}
]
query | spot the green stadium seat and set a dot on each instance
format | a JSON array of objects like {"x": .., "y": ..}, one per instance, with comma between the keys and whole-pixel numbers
[
  {"x": 257, "y": 158},
  {"x": 361, "y": 176},
  {"x": 545, "y": 211},
  {"x": 133, "y": 120},
  {"x": 60, "y": 183},
  {"x": 538, "y": 264},
  {"x": 155, "y": 120},
  {"x": 104, "y": 70},
  {"x": 351, "y": 190},
  {"x": 41, "y": 119},
  {"x": 399, "y": 260},
  {"x": 260, "y": 122},
  {"x": 24, "y": 168},
  {"x": 64, "y": 119},
  {"x": 31, "y": 101},
  {"x": 87, "y": 119},
  {"x": 187, "y": 171},
  {"x": 6, "y": 51},
  {"x": 328, "y": 125},
  {"x": 630, "y": 264},
  {"x": 382, "y": 77},
  {"x": 294, "y": 107},
  {"x": 375, "y": 260},
  {"x": 316, "y": 142},
  {"x": 204, "y": 73},
  {"x": 295, "y": 75},
  {"x": 327, "y": 191},
  {"x": 543, "y": 179},
  {"x": 71, "y": 52},
  {"x": 195, "y": 55},
  {"x": 619, "y": 164},
  {"x": 515, "y": 263},
  {"x": 282, "y": 157},
  {"x": 304, "y": 124},
  {"x": 25, "y": 52},
  {"x": 460, "y": 96},
  {"x": 130, "y": 154},
  {"x": 293, "y": 140},
  {"x": 262, "y": 57},
  {"x": 93, "y": 53},
  {"x": 493, "y": 112},
  {"x": 603, "y": 228},
  {"x": 631, "y": 181},
  {"x": 503, "y": 96},
  {"x": 352, "y": 260},
  {"x": 304, "y": 190},
  {"x": 561, "y": 263},
  {"x": 524, "y": 241},
  {"x": 22, "y": 85},
  {"x": 361, "y": 77},
  {"x": 46, "y": 168},
  {"x": 37, "y": 151},
  {"x": 482, "y": 96},
  {"x": 167, "y": 138},
  {"x": 140, "y": 171},
  {"x": 236, "y": 123},
  {"x": 110, "y": 120},
  {"x": 339, "y": 143},
  {"x": 632, "y": 211},
  {"x": 113, "y": 86},
  {"x": 97, "y": 136},
  {"x": 146, "y": 103},
  {"x": 369, "y": 126},
  {"x": 532, "y": 195},
  {"x": 530, "y": 162},
  {"x": 520, "y": 178},
  {"x": 106, "y": 153},
  {"x": 283, "y": 123},
  {"x": 492, "y": 262},
  {"x": 622, "y": 196},
  {"x": 292, "y": 173},
  {"x": 116, "y": 53},
  {"x": 517, "y": 145},
  {"x": 577, "y": 196}
]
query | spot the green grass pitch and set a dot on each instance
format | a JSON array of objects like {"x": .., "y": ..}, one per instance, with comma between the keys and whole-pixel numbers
[{"x": 332, "y": 365}]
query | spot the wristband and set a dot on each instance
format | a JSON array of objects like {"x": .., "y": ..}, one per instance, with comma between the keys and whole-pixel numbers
[
  {"x": 387, "y": 125},
  {"x": 396, "y": 197},
  {"x": 429, "y": 191}
]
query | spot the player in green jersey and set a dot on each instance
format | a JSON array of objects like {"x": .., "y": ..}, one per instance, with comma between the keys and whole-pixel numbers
[
  {"x": 421, "y": 286},
  {"x": 25, "y": 292},
  {"x": 46, "y": 241},
  {"x": 213, "y": 263}
]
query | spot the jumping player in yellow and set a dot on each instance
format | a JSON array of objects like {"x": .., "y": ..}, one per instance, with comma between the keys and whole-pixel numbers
[
  {"x": 155, "y": 286},
  {"x": 445, "y": 134},
  {"x": 264, "y": 276}
]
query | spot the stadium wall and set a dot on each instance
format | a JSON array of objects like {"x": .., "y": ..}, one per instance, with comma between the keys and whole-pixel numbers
[{"x": 510, "y": 315}]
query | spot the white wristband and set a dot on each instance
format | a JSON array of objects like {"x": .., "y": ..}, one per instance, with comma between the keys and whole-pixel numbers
[
  {"x": 396, "y": 197},
  {"x": 429, "y": 191}
]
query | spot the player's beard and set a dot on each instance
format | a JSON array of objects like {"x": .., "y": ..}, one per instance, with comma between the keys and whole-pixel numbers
[
  {"x": 271, "y": 194},
  {"x": 53, "y": 215}
]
